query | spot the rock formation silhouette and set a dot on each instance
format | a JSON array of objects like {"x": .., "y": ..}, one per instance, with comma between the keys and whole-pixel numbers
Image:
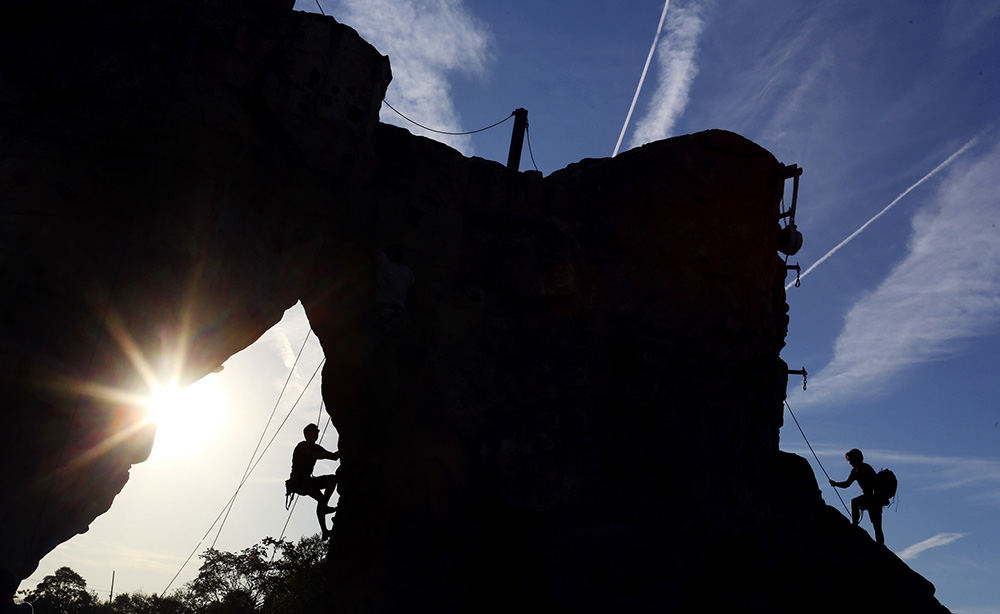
[{"x": 577, "y": 409}]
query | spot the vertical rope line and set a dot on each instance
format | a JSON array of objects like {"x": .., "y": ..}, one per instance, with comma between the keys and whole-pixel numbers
[
  {"x": 527, "y": 133},
  {"x": 233, "y": 497},
  {"x": 253, "y": 454}
]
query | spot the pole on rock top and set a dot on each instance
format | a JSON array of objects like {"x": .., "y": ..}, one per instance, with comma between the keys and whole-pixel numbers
[{"x": 517, "y": 139}]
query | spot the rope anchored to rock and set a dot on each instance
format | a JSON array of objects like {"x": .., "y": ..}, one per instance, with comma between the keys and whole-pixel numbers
[{"x": 816, "y": 457}]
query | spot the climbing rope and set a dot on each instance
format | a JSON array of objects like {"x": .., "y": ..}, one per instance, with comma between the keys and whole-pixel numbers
[
  {"x": 319, "y": 416},
  {"x": 263, "y": 432},
  {"x": 527, "y": 133},
  {"x": 415, "y": 123},
  {"x": 233, "y": 497},
  {"x": 816, "y": 457}
]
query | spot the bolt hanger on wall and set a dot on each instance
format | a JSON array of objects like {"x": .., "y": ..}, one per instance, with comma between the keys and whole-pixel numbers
[
  {"x": 801, "y": 372},
  {"x": 798, "y": 273}
]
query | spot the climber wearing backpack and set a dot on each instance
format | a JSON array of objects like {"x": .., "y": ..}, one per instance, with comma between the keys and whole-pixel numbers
[{"x": 872, "y": 498}]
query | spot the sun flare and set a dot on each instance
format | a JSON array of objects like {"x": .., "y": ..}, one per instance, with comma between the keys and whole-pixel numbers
[{"x": 186, "y": 418}]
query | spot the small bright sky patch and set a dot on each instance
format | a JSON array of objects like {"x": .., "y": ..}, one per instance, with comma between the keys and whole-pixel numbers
[{"x": 187, "y": 418}]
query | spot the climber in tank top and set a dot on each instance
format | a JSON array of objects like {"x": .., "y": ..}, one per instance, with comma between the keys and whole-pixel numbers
[{"x": 304, "y": 483}]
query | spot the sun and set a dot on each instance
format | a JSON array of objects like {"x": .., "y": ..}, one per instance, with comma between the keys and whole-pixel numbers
[{"x": 187, "y": 419}]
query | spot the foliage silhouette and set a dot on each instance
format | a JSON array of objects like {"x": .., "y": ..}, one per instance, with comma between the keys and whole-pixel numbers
[
  {"x": 254, "y": 581},
  {"x": 267, "y": 578},
  {"x": 141, "y": 603},
  {"x": 64, "y": 592}
]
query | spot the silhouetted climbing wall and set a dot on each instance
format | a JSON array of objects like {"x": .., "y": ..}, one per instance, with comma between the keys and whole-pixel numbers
[{"x": 552, "y": 394}]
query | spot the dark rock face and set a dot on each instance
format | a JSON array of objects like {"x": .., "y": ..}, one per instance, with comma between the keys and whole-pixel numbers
[
  {"x": 559, "y": 393},
  {"x": 170, "y": 170},
  {"x": 558, "y": 378}
]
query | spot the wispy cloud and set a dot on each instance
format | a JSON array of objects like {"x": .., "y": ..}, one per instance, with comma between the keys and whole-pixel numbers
[
  {"x": 937, "y": 169},
  {"x": 676, "y": 58},
  {"x": 284, "y": 346},
  {"x": 779, "y": 82},
  {"x": 941, "y": 539},
  {"x": 944, "y": 291},
  {"x": 947, "y": 472},
  {"x": 642, "y": 77},
  {"x": 296, "y": 345},
  {"x": 932, "y": 472},
  {"x": 963, "y": 23},
  {"x": 787, "y": 110},
  {"x": 426, "y": 41}
]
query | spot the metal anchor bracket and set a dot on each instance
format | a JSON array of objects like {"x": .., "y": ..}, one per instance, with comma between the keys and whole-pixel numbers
[
  {"x": 789, "y": 237},
  {"x": 801, "y": 372},
  {"x": 794, "y": 172},
  {"x": 798, "y": 273}
]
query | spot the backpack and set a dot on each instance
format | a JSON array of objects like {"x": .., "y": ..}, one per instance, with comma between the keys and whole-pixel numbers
[{"x": 885, "y": 485}]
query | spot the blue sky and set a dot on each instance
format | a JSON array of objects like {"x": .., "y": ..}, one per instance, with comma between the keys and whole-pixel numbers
[{"x": 898, "y": 328}]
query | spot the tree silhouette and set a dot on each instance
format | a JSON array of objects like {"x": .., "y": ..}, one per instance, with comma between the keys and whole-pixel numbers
[
  {"x": 140, "y": 603},
  {"x": 270, "y": 577},
  {"x": 64, "y": 592},
  {"x": 231, "y": 582},
  {"x": 253, "y": 581},
  {"x": 301, "y": 576}
]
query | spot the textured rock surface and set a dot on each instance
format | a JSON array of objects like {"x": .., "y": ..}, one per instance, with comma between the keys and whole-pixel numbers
[{"x": 575, "y": 408}]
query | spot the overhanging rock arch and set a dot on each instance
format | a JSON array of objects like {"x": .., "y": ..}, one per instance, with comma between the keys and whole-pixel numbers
[{"x": 578, "y": 407}]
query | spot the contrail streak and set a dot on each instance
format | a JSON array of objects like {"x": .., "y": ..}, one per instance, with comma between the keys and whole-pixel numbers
[
  {"x": 652, "y": 49},
  {"x": 936, "y": 170}
]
